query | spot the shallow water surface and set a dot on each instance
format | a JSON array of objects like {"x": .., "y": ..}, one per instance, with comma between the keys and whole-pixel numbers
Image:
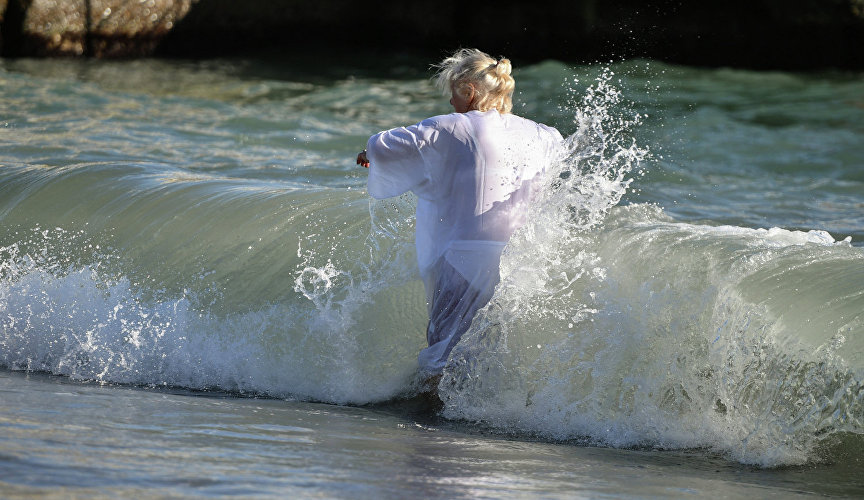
[{"x": 138, "y": 442}]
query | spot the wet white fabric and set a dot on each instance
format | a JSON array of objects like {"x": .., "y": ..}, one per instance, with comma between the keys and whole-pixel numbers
[{"x": 473, "y": 174}]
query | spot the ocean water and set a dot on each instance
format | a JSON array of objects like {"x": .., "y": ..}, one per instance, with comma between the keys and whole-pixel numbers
[{"x": 198, "y": 297}]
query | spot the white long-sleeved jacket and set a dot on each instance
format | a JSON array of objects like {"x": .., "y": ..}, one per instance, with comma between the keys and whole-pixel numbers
[{"x": 473, "y": 175}]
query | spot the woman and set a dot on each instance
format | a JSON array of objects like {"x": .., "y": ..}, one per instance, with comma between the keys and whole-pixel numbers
[{"x": 473, "y": 173}]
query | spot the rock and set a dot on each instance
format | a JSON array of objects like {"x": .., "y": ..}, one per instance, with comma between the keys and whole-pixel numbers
[
  {"x": 99, "y": 28},
  {"x": 766, "y": 34},
  {"x": 761, "y": 34},
  {"x": 121, "y": 28},
  {"x": 52, "y": 27},
  {"x": 2, "y": 11}
]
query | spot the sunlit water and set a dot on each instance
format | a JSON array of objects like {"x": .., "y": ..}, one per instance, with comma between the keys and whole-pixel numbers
[{"x": 197, "y": 297}]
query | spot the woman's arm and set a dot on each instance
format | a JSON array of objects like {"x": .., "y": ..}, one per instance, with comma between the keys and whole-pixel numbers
[
  {"x": 408, "y": 158},
  {"x": 399, "y": 165}
]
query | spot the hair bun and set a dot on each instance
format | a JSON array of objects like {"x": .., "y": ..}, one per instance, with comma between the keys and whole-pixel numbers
[{"x": 503, "y": 67}]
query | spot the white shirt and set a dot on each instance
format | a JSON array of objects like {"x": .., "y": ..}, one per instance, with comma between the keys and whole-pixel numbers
[{"x": 472, "y": 173}]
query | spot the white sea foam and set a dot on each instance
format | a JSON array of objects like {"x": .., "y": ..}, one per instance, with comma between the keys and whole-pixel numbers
[
  {"x": 80, "y": 322},
  {"x": 671, "y": 336}
]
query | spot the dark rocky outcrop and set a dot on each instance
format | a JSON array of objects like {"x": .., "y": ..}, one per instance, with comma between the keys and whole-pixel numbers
[
  {"x": 785, "y": 34},
  {"x": 2, "y": 12},
  {"x": 99, "y": 28}
]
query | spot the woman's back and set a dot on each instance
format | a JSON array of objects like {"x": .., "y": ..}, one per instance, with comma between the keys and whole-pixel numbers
[{"x": 492, "y": 180}]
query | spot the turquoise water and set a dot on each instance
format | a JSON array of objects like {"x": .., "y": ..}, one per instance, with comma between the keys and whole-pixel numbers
[{"x": 188, "y": 258}]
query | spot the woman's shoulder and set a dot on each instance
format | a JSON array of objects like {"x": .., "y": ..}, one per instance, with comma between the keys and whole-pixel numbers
[
  {"x": 448, "y": 120},
  {"x": 531, "y": 124},
  {"x": 453, "y": 124}
]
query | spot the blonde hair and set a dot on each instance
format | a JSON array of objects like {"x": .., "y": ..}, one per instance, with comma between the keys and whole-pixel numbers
[{"x": 493, "y": 85}]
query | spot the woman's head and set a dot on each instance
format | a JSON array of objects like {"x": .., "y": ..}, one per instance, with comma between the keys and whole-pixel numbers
[{"x": 477, "y": 81}]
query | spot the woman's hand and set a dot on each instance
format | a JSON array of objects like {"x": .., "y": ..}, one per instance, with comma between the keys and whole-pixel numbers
[{"x": 362, "y": 160}]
